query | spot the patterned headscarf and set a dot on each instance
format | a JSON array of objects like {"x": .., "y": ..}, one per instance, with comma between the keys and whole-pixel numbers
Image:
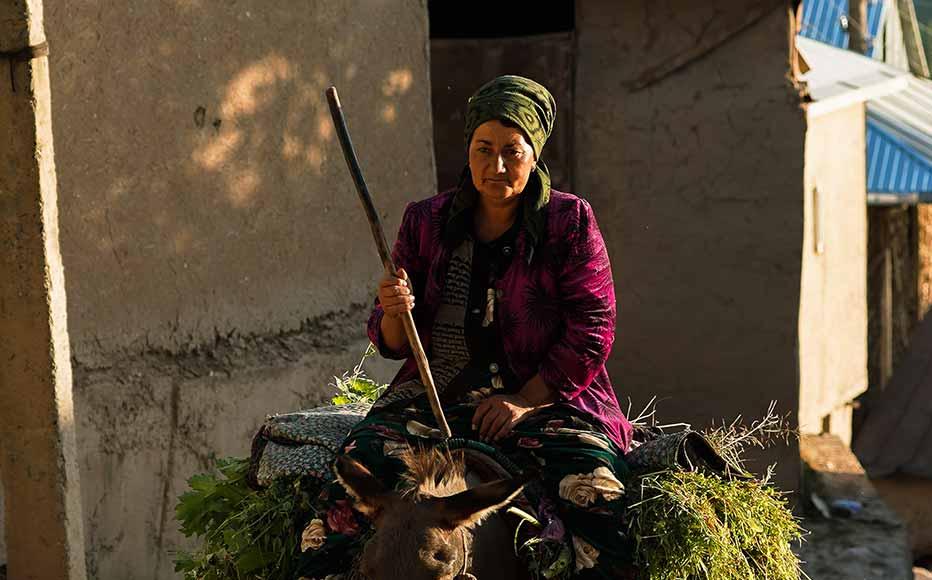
[
  {"x": 532, "y": 108},
  {"x": 522, "y": 101}
]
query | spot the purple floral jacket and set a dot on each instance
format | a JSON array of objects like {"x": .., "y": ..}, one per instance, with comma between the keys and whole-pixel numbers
[{"x": 556, "y": 303}]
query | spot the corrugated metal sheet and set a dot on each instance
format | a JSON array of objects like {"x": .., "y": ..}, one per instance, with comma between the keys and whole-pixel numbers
[
  {"x": 823, "y": 20},
  {"x": 835, "y": 71},
  {"x": 899, "y": 124},
  {"x": 899, "y": 140},
  {"x": 892, "y": 167}
]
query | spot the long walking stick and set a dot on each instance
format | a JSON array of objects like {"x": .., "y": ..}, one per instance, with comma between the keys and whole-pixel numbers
[{"x": 339, "y": 121}]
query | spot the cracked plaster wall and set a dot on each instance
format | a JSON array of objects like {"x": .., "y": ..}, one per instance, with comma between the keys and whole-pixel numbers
[
  {"x": 690, "y": 146},
  {"x": 218, "y": 264},
  {"x": 152, "y": 421},
  {"x": 833, "y": 321}
]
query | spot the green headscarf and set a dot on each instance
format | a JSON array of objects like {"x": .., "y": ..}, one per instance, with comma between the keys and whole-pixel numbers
[
  {"x": 517, "y": 99},
  {"x": 531, "y": 107}
]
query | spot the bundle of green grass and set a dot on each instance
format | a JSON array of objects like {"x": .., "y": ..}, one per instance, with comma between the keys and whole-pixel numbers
[
  {"x": 687, "y": 525},
  {"x": 694, "y": 526},
  {"x": 690, "y": 525}
]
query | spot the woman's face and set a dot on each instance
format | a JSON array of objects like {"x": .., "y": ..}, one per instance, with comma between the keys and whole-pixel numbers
[{"x": 501, "y": 160}]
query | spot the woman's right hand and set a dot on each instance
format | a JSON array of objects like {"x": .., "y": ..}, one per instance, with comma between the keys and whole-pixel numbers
[{"x": 395, "y": 294}]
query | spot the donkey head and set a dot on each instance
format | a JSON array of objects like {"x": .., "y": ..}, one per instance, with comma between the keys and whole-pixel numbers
[{"x": 422, "y": 533}]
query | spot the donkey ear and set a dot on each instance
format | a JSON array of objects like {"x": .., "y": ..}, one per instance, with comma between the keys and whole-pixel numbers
[
  {"x": 369, "y": 493},
  {"x": 469, "y": 507}
]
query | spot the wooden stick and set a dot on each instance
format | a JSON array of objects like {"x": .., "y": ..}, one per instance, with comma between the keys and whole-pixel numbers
[{"x": 339, "y": 121}]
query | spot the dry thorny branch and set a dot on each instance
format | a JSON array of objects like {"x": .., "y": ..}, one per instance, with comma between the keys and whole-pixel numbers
[{"x": 731, "y": 439}]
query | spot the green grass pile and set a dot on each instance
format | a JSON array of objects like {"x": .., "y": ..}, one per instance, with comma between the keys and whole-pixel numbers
[
  {"x": 689, "y": 525},
  {"x": 692, "y": 526}
]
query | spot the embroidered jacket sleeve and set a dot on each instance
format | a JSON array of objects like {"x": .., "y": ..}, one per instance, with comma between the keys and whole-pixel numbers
[
  {"x": 587, "y": 304},
  {"x": 405, "y": 255}
]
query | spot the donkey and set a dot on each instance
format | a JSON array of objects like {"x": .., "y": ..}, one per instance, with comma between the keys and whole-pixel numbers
[{"x": 436, "y": 528}]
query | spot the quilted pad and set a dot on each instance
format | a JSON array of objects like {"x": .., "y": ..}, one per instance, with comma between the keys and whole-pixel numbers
[{"x": 302, "y": 443}]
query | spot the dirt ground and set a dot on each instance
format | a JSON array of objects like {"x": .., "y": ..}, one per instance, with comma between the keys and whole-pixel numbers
[{"x": 869, "y": 544}]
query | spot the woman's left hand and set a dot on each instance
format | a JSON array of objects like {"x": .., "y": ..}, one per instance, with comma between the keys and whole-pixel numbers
[{"x": 496, "y": 416}]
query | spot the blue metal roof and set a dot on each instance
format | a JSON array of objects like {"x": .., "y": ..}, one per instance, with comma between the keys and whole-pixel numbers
[
  {"x": 899, "y": 145},
  {"x": 892, "y": 165},
  {"x": 822, "y": 20},
  {"x": 899, "y": 122}
]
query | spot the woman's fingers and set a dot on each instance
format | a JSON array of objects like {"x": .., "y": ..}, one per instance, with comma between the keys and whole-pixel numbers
[
  {"x": 494, "y": 418},
  {"x": 398, "y": 305},
  {"x": 390, "y": 281},
  {"x": 395, "y": 300},
  {"x": 395, "y": 293},
  {"x": 399, "y": 278},
  {"x": 494, "y": 424},
  {"x": 393, "y": 288},
  {"x": 481, "y": 411},
  {"x": 487, "y": 415},
  {"x": 497, "y": 416},
  {"x": 504, "y": 430}
]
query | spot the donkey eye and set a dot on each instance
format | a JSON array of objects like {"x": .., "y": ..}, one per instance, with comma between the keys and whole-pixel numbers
[{"x": 443, "y": 555}]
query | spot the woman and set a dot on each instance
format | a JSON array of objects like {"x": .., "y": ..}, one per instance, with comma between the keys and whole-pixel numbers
[{"x": 516, "y": 308}]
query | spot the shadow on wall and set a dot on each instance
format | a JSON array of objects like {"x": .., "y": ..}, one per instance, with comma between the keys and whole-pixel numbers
[
  {"x": 236, "y": 151},
  {"x": 201, "y": 179},
  {"x": 269, "y": 122}
]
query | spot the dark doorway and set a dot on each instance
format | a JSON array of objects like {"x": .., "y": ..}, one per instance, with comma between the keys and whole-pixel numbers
[
  {"x": 472, "y": 44},
  {"x": 893, "y": 288},
  {"x": 894, "y": 307}
]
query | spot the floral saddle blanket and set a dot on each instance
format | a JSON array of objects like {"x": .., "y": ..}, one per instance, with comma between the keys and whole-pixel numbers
[{"x": 306, "y": 443}]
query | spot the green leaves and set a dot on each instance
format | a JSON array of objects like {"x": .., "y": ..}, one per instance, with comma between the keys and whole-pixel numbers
[
  {"x": 357, "y": 390},
  {"x": 547, "y": 559},
  {"x": 356, "y": 387},
  {"x": 246, "y": 534},
  {"x": 212, "y": 499},
  {"x": 252, "y": 559}
]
